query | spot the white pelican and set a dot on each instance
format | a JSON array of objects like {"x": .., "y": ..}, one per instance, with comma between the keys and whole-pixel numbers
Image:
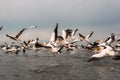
[
  {"x": 110, "y": 39},
  {"x": 86, "y": 38},
  {"x": 106, "y": 51},
  {"x": 52, "y": 44}
]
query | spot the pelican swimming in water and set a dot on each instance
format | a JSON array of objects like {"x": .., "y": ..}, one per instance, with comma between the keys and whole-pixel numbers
[
  {"x": 13, "y": 48},
  {"x": 16, "y": 38}
]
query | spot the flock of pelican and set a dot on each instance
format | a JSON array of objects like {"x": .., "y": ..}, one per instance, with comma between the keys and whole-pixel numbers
[{"x": 66, "y": 41}]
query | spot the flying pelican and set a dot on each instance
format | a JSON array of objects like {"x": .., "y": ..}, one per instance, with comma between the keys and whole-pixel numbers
[
  {"x": 69, "y": 33},
  {"x": 16, "y": 38},
  {"x": 86, "y": 38},
  {"x": 57, "y": 39},
  {"x": 54, "y": 39}
]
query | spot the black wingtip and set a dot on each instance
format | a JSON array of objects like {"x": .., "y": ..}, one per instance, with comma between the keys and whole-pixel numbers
[
  {"x": 79, "y": 34},
  {"x": 56, "y": 26},
  {"x": 76, "y": 29}
]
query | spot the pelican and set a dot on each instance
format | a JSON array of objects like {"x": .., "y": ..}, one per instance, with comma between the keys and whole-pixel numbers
[
  {"x": 110, "y": 39},
  {"x": 16, "y": 38},
  {"x": 11, "y": 48},
  {"x": 105, "y": 51},
  {"x": 69, "y": 33},
  {"x": 54, "y": 39},
  {"x": 38, "y": 45},
  {"x": 57, "y": 39},
  {"x": 86, "y": 38}
]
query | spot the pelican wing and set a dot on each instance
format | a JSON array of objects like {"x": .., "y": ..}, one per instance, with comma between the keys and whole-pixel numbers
[
  {"x": 74, "y": 32},
  {"x": 10, "y": 37},
  {"x": 108, "y": 40},
  {"x": 88, "y": 36},
  {"x": 73, "y": 42},
  {"x": 54, "y": 34},
  {"x": 56, "y": 31},
  {"x": 18, "y": 35},
  {"x": 83, "y": 37},
  {"x": 52, "y": 38},
  {"x": 25, "y": 43}
]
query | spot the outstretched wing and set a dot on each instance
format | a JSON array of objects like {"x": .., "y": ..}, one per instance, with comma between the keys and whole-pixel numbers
[
  {"x": 81, "y": 36},
  {"x": 18, "y": 35},
  {"x": 110, "y": 39},
  {"x": 88, "y": 36},
  {"x": 75, "y": 31},
  {"x": 53, "y": 36},
  {"x": 25, "y": 43},
  {"x": 56, "y": 31},
  {"x": 10, "y": 37}
]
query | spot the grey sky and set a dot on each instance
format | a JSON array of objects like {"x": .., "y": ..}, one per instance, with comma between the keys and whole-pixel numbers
[{"x": 45, "y": 13}]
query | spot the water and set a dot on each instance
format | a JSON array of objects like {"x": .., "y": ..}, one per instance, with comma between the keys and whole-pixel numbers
[{"x": 44, "y": 66}]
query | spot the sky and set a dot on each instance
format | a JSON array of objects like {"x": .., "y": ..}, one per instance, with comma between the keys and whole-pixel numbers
[{"x": 101, "y": 16}]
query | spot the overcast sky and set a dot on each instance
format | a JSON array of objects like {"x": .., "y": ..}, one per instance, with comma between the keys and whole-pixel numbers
[{"x": 86, "y": 15}]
